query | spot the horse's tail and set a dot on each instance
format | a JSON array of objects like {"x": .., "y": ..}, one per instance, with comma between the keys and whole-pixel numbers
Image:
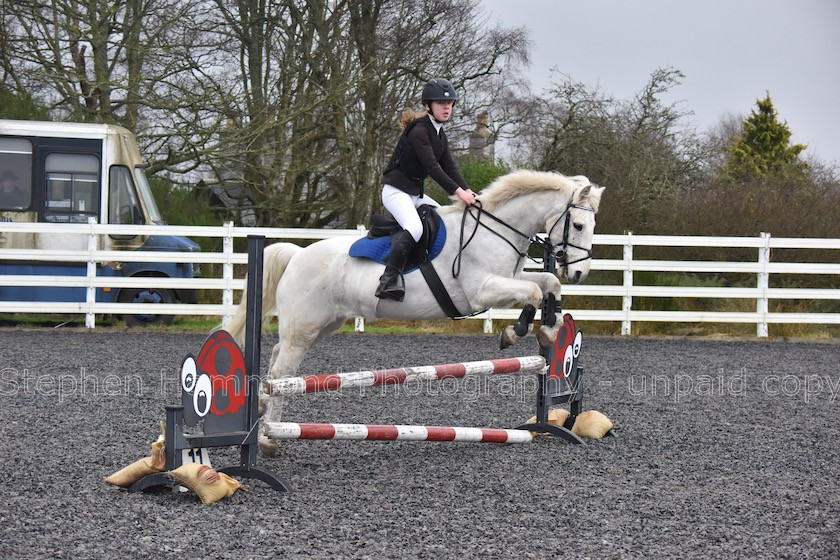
[{"x": 275, "y": 259}]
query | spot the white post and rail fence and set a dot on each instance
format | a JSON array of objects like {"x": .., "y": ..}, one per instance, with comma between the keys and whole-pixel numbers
[{"x": 758, "y": 292}]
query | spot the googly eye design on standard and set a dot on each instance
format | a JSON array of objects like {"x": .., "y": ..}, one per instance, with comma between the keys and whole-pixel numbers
[
  {"x": 203, "y": 396},
  {"x": 188, "y": 375},
  {"x": 568, "y": 360}
]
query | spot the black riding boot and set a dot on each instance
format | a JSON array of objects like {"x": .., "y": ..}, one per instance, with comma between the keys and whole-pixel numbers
[{"x": 391, "y": 284}]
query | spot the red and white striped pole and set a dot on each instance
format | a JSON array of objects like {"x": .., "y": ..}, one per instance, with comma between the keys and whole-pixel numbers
[
  {"x": 372, "y": 432},
  {"x": 336, "y": 381}
]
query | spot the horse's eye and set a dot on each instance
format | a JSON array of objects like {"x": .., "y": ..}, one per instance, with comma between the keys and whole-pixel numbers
[{"x": 579, "y": 227}]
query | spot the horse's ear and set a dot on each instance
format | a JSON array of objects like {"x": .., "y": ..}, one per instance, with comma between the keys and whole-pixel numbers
[
  {"x": 583, "y": 194},
  {"x": 595, "y": 197}
]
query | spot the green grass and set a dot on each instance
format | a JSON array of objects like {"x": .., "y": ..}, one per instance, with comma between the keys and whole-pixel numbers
[
  {"x": 207, "y": 324},
  {"x": 204, "y": 324}
]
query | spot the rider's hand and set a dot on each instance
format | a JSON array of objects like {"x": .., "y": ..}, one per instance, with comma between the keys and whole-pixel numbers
[{"x": 467, "y": 195}]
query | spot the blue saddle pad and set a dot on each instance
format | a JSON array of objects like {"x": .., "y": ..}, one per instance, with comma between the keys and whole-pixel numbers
[{"x": 378, "y": 248}]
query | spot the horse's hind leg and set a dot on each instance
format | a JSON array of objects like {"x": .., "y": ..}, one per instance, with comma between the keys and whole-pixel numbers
[{"x": 285, "y": 360}]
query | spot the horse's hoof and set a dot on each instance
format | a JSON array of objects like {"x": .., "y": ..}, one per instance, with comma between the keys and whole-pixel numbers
[
  {"x": 268, "y": 446},
  {"x": 545, "y": 337},
  {"x": 507, "y": 337}
]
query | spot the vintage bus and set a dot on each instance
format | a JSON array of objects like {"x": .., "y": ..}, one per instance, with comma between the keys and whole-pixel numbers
[{"x": 66, "y": 173}]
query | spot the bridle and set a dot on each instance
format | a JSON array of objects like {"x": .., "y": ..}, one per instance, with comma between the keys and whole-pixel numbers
[
  {"x": 560, "y": 249},
  {"x": 562, "y": 254}
]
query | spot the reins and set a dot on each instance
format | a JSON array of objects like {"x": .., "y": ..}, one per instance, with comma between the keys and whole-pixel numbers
[
  {"x": 536, "y": 240},
  {"x": 456, "y": 263}
]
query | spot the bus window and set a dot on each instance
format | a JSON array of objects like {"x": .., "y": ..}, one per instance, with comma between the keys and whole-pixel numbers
[
  {"x": 15, "y": 174},
  {"x": 123, "y": 206},
  {"x": 148, "y": 197},
  {"x": 72, "y": 187}
]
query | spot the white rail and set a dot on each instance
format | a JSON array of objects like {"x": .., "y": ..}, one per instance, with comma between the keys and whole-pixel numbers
[{"x": 761, "y": 267}]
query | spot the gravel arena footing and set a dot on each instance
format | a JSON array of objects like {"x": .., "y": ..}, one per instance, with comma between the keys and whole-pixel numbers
[{"x": 724, "y": 449}]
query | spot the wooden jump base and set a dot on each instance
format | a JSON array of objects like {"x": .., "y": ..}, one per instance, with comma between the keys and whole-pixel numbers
[
  {"x": 372, "y": 432},
  {"x": 336, "y": 381}
]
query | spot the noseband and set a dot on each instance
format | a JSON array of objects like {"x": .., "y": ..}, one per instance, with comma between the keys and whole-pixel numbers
[{"x": 559, "y": 249}]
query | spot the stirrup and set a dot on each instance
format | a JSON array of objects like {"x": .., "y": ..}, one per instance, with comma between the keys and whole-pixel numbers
[{"x": 392, "y": 288}]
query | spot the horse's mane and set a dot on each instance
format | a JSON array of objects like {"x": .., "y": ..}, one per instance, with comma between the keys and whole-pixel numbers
[{"x": 521, "y": 182}]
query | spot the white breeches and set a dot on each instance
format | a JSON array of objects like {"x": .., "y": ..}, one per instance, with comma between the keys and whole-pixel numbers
[{"x": 403, "y": 207}]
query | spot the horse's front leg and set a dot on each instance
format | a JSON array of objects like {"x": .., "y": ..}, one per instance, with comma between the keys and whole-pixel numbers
[
  {"x": 498, "y": 291},
  {"x": 550, "y": 285}
]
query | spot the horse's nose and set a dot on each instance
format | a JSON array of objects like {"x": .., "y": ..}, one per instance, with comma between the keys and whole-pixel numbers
[{"x": 577, "y": 276}]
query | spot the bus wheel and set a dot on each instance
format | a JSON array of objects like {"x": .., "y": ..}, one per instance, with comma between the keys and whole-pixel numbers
[{"x": 146, "y": 295}]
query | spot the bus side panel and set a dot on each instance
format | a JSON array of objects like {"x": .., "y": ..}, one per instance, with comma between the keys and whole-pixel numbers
[{"x": 42, "y": 293}]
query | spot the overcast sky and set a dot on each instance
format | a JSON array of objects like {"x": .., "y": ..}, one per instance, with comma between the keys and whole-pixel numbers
[{"x": 731, "y": 52}]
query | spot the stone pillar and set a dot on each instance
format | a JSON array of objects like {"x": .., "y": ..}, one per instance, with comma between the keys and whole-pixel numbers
[{"x": 481, "y": 139}]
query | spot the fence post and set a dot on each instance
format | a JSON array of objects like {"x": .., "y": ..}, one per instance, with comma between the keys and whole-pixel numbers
[
  {"x": 359, "y": 322},
  {"x": 90, "y": 292},
  {"x": 627, "y": 300},
  {"x": 762, "y": 305},
  {"x": 227, "y": 273}
]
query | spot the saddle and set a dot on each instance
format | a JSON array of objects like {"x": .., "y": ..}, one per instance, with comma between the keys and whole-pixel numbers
[{"x": 377, "y": 244}]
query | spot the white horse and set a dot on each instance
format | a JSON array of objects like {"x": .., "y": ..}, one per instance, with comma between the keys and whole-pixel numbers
[{"x": 315, "y": 289}]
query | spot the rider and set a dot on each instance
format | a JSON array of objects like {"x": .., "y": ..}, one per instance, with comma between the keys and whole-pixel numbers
[{"x": 421, "y": 151}]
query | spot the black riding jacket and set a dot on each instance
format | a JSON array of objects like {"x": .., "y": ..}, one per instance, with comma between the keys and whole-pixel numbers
[{"x": 422, "y": 152}]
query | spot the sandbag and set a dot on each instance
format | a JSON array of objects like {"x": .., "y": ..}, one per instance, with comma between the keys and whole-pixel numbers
[
  {"x": 210, "y": 485},
  {"x": 556, "y": 416},
  {"x": 592, "y": 424},
  {"x": 127, "y": 476}
]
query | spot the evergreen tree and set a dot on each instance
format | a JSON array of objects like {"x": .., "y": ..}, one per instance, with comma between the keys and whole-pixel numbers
[
  {"x": 20, "y": 106},
  {"x": 763, "y": 149}
]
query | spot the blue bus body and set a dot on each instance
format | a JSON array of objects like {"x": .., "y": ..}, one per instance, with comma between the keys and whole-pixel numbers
[{"x": 67, "y": 173}]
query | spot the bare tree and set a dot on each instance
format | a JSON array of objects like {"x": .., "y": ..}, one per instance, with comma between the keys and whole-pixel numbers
[
  {"x": 84, "y": 57},
  {"x": 291, "y": 104},
  {"x": 120, "y": 62},
  {"x": 718, "y": 137},
  {"x": 313, "y": 152},
  {"x": 411, "y": 42},
  {"x": 641, "y": 148}
]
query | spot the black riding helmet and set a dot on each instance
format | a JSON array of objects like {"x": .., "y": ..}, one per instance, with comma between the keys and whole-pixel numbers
[{"x": 438, "y": 89}]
